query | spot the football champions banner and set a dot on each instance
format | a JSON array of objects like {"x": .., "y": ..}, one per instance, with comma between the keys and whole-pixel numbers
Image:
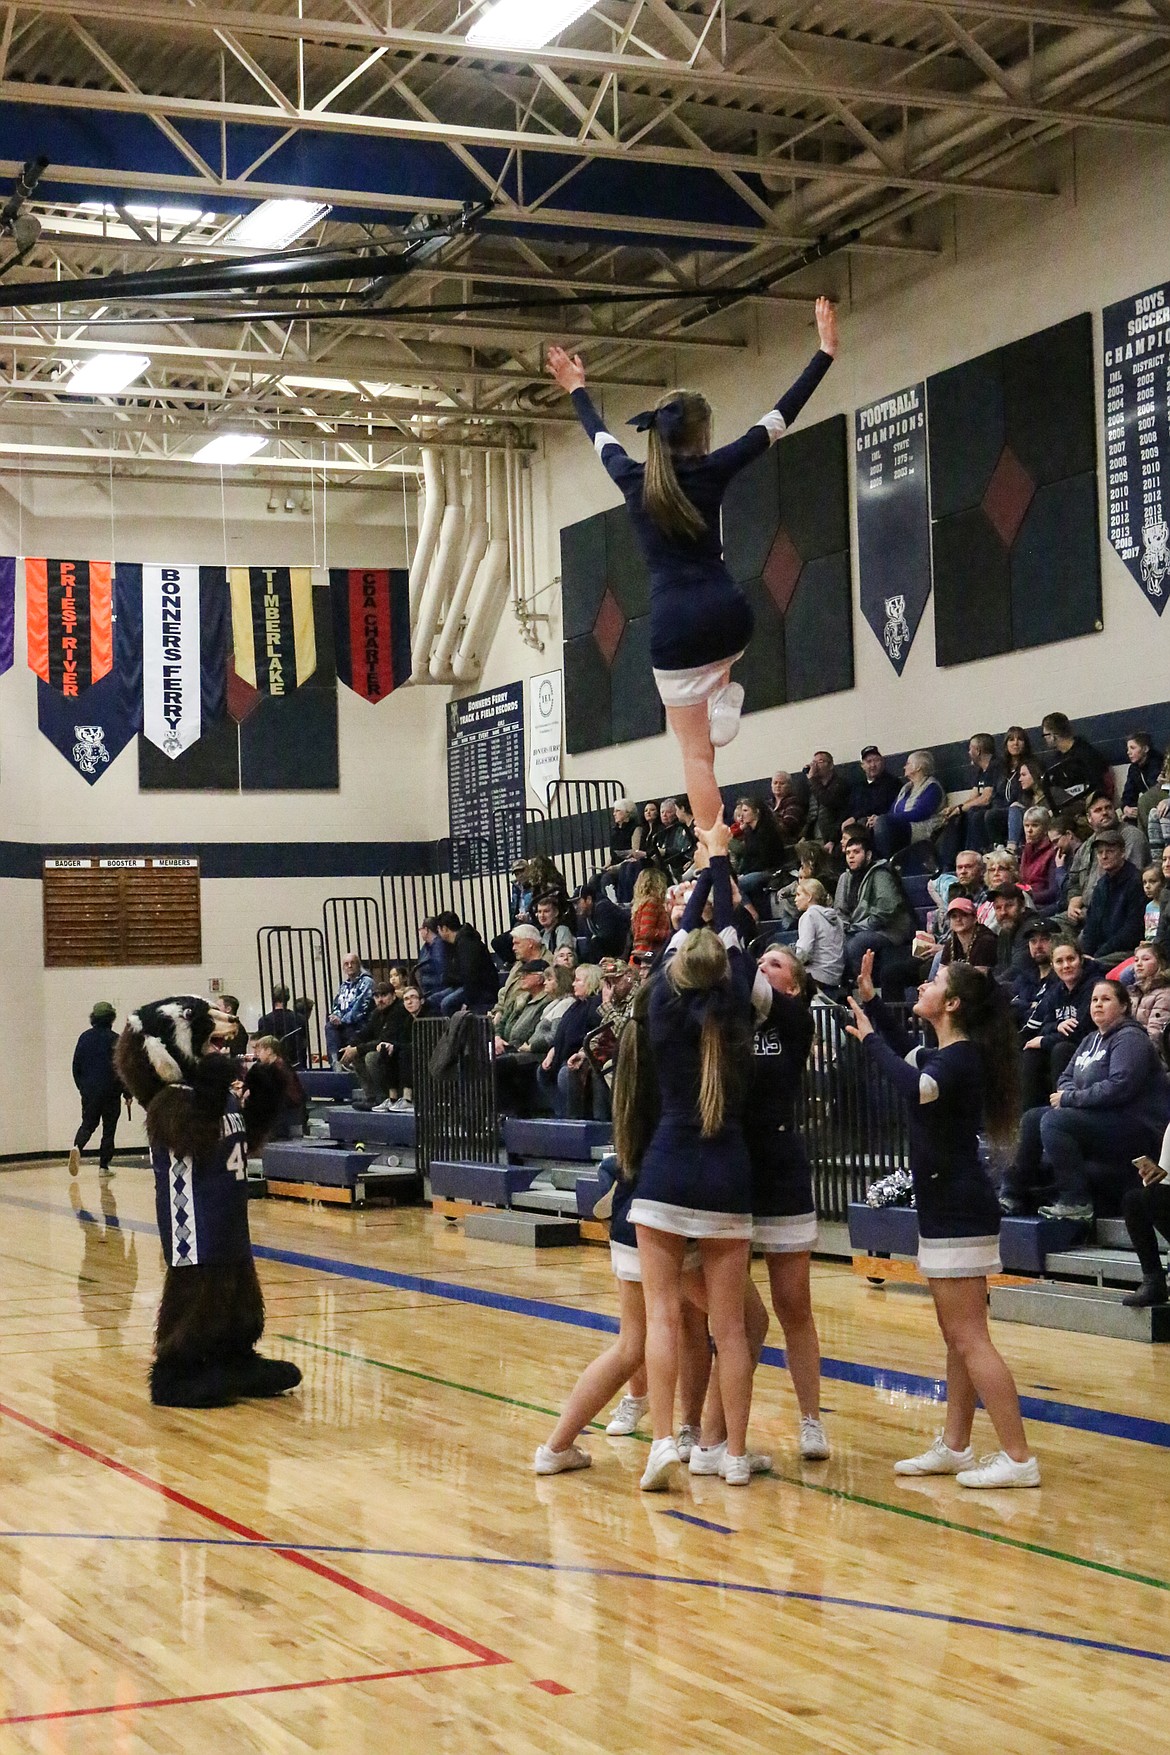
[
  {"x": 172, "y": 650},
  {"x": 371, "y": 629},
  {"x": 272, "y": 627},
  {"x": 69, "y": 609},
  {"x": 7, "y": 611}
]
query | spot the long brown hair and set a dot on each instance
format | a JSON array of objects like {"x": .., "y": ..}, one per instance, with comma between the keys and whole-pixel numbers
[
  {"x": 985, "y": 1017},
  {"x": 686, "y": 428},
  {"x": 701, "y": 965},
  {"x": 635, "y": 1088}
]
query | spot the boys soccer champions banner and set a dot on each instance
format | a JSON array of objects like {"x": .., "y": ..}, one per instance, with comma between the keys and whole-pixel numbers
[
  {"x": 272, "y": 627},
  {"x": 69, "y": 613},
  {"x": 7, "y": 611},
  {"x": 371, "y": 629},
  {"x": 172, "y": 648}
]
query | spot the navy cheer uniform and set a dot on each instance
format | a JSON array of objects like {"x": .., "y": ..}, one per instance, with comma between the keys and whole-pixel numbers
[
  {"x": 700, "y": 621},
  {"x": 690, "y": 1185},
  {"x": 202, "y": 1204},
  {"x": 958, "y": 1212},
  {"x": 783, "y": 1210},
  {"x": 623, "y": 1239}
]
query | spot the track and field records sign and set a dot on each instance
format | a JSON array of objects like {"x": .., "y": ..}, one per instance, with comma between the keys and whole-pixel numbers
[
  {"x": 485, "y": 781},
  {"x": 1137, "y": 437}
]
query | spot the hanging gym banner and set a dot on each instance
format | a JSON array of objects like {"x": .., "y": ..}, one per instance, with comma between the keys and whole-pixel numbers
[
  {"x": 1136, "y": 338},
  {"x": 371, "y": 629},
  {"x": 172, "y": 648},
  {"x": 272, "y": 627},
  {"x": 69, "y": 611},
  {"x": 89, "y": 729},
  {"x": 7, "y": 611},
  {"x": 893, "y": 518}
]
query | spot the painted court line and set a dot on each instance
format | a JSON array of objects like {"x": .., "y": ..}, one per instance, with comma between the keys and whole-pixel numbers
[
  {"x": 305, "y": 1560},
  {"x": 33, "y": 1718},
  {"x": 700, "y": 1523},
  {"x": 842, "y": 1493},
  {"x": 1132, "y": 1427},
  {"x": 629, "y": 1574}
]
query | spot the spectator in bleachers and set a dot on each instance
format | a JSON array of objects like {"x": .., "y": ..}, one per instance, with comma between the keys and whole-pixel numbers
[
  {"x": 546, "y": 876},
  {"x": 1084, "y": 870},
  {"x": 558, "y": 994},
  {"x": 1075, "y": 769},
  {"x": 677, "y": 847},
  {"x": 624, "y": 836},
  {"x": 395, "y": 1069},
  {"x": 1009, "y": 905},
  {"x": 471, "y": 971},
  {"x": 430, "y": 971},
  {"x": 304, "y": 1007},
  {"x": 288, "y": 1027},
  {"x": 759, "y": 851},
  {"x": 527, "y": 1037},
  {"x": 790, "y": 802},
  {"x": 352, "y": 1004},
  {"x": 1153, "y": 812},
  {"x": 649, "y": 920},
  {"x": 1017, "y": 747},
  {"x": 1146, "y": 1211},
  {"x": 828, "y": 800},
  {"x": 1037, "y": 872},
  {"x": 560, "y": 1077},
  {"x": 566, "y": 958},
  {"x": 98, "y": 1085},
  {"x": 967, "y": 941},
  {"x": 519, "y": 1018},
  {"x": 1153, "y": 883},
  {"x": 554, "y": 930},
  {"x": 1110, "y": 1105},
  {"x": 1115, "y": 917},
  {"x": 1034, "y": 976},
  {"x": 968, "y": 880},
  {"x": 1151, "y": 991},
  {"x": 651, "y": 843},
  {"x": 874, "y": 794},
  {"x": 237, "y": 1042},
  {"x": 520, "y": 891},
  {"x": 603, "y": 926},
  {"x": 1162, "y": 936},
  {"x": 290, "y": 1117},
  {"x": 965, "y": 823},
  {"x": 813, "y": 860},
  {"x": 1145, "y": 767},
  {"x": 1058, "y": 1022},
  {"x": 526, "y": 945},
  {"x": 820, "y": 937},
  {"x": 872, "y": 903},
  {"x": 1029, "y": 792},
  {"x": 917, "y": 812},
  {"x": 376, "y": 1028}
]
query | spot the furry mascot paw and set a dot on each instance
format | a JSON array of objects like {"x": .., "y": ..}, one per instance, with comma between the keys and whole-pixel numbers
[{"x": 200, "y": 1132}]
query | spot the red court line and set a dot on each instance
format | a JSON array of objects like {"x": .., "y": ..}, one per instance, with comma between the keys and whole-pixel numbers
[
  {"x": 36, "y": 1718},
  {"x": 306, "y": 1561}
]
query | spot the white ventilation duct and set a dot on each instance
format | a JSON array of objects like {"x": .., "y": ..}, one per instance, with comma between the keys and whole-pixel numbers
[
  {"x": 434, "y": 505},
  {"x": 444, "y": 569},
  {"x": 475, "y": 547},
  {"x": 491, "y": 579}
]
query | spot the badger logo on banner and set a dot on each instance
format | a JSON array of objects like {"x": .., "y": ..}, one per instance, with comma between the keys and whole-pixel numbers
[
  {"x": 70, "y": 623},
  {"x": 272, "y": 627},
  {"x": 371, "y": 629},
  {"x": 7, "y": 611},
  {"x": 91, "y": 730},
  {"x": 172, "y": 645}
]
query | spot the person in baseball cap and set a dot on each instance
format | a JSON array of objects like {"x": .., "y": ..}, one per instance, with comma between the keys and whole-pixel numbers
[
  {"x": 967, "y": 940},
  {"x": 98, "y": 1086}
]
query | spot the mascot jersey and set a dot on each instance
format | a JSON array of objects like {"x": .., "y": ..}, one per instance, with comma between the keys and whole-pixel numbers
[{"x": 202, "y": 1203}]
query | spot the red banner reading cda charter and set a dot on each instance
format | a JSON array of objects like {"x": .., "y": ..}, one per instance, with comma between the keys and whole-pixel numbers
[{"x": 69, "y": 608}]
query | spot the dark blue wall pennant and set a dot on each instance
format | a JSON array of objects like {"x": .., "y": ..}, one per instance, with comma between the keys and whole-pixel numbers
[{"x": 893, "y": 518}]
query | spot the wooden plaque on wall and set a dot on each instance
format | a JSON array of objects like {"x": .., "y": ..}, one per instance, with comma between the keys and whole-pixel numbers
[{"x": 121, "y": 912}]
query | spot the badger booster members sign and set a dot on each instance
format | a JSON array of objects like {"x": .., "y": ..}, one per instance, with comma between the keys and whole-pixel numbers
[
  {"x": 272, "y": 627},
  {"x": 893, "y": 518},
  {"x": 371, "y": 629},
  {"x": 1137, "y": 437},
  {"x": 485, "y": 781},
  {"x": 69, "y": 610}
]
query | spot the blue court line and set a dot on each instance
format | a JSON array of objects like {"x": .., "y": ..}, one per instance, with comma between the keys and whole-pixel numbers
[
  {"x": 629, "y": 1574},
  {"x": 700, "y": 1523},
  {"x": 1133, "y": 1427}
]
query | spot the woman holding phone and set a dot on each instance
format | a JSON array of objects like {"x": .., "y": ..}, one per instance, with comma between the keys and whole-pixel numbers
[{"x": 1147, "y": 1211}]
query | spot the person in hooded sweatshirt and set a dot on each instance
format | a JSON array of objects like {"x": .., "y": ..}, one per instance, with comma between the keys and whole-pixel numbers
[
  {"x": 1111, "y": 1105},
  {"x": 99, "y": 1086}
]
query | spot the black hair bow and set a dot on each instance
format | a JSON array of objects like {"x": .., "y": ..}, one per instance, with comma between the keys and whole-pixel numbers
[{"x": 666, "y": 420}]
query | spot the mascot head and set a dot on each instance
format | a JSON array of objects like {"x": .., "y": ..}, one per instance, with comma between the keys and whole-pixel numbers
[
  {"x": 168, "y": 1056},
  {"x": 164, "y": 1042}
]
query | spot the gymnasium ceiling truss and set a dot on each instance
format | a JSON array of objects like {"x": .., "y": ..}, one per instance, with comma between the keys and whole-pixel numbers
[{"x": 655, "y": 186}]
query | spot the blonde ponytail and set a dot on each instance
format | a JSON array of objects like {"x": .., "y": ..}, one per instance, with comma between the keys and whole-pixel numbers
[
  {"x": 681, "y": 420},
  {"x": 713, "y": 1076}
]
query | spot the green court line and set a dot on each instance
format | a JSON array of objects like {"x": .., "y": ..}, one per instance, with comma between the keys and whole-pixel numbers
[{"x": 842, "y": 1493}]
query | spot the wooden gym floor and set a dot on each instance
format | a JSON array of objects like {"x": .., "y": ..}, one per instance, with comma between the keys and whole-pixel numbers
[{"x": 370, "y": 1565}]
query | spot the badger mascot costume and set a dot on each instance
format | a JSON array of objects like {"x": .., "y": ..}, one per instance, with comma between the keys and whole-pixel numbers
[{"x": 202, "y": 1116}]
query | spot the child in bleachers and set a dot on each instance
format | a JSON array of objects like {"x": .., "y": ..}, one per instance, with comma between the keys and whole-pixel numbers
[{"x": 1153, "y": 884}]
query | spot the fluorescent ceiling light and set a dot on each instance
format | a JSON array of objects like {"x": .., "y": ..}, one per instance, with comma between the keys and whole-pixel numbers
[
  {"x": 274, "y": 224},
  {"x": 231, "y": 448},
  {"x": 107, "y": 373},
  {"x": 525, "y": 24}
]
